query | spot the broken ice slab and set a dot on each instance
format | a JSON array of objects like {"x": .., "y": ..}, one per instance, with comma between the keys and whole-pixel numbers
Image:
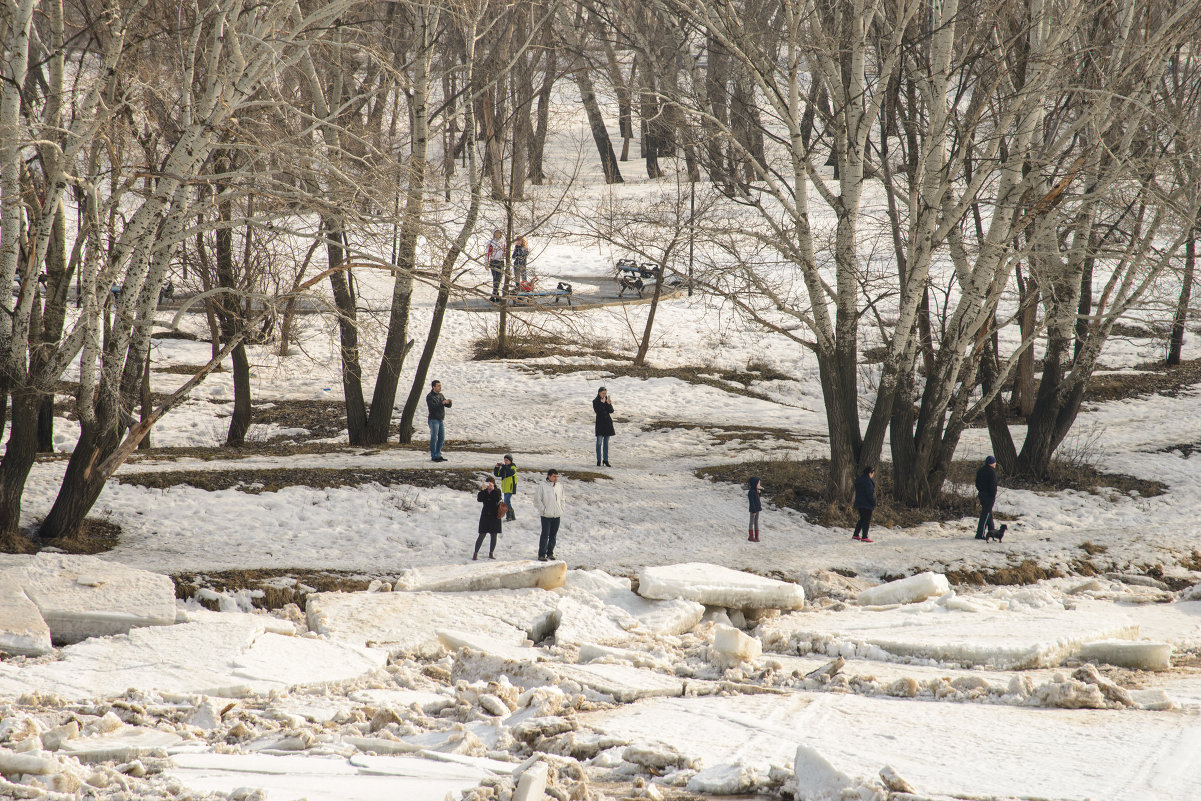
[
  {"x": 621, "y": 682},
  {"x": 1136, "y": 654},
  {"x": 1009, "y": 639},
  {"x": 714, "y": 585},
  {"x": 219, "y": 654},
  {"x": 430, "y": 703},
  {"x": 454, "y": 640},
  {"x": 128, "y": 742},
  {"x": 23, "y": 632},
  {"x": 654, "y": 617},
  {"x": 408, "y": 622},
  {"x": 1000, "y": 751},
  {"x": 731, "y": 647},
  {"x": 326, "y": 778},
  {"x": 82, "y": 596},
  {"x": 480, "y": 576},
  {"x": 909, "y": 590}
]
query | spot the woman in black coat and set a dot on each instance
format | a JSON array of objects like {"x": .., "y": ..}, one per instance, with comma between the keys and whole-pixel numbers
[
  {"x": 490, "y": 521},
  {"x": 604, "y": 425}
]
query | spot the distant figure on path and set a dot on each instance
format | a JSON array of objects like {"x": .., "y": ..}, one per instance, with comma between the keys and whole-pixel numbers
[
  {"x": 521, "y": 254},
  {"x": 490, "y": 523},
  {"x": 865, "y": 502},
  {"x": 548, "y": 500},
  {"x": 986, "y": 488},
  {"x": 437, "y": 419},
  {"x": 754, "y": 490},
  {"x": 604, "y": 425},
  {"x": 506, "y": 472},
  {"x": 494, "y": 253}
]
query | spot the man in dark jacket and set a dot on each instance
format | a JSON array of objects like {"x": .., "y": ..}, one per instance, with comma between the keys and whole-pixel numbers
[
  {"x": 986, "y": 488},
  {"x": 865, "y": 502},
  {"x": 437, "y": 405}
]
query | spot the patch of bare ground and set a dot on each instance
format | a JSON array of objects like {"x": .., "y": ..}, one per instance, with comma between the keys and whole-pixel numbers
[
  {"x": 1153, "y": 378},
  {"x": 730, "y": 433},
  {"x": 1027, "y": 571},
  {"x": 1066, "y": 475},
  {"x": 271, "y": 588},
  {"x": 801, "y": 485},
  {"x": 255, "y": 482},
  {"x": 186, "y": 369},
  {"x": 620, "y": 364},
  {"x": 95, "y": 536}
]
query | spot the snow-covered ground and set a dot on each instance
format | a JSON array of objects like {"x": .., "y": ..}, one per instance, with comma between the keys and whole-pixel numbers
[{"x": 972, "y": 693}]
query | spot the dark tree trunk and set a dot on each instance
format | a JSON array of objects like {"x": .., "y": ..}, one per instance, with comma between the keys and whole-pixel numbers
[
  {"x": 1176, "y": 341},
  {"x": 81, "y": 484},
  {"x": 231, "y": 316},
  {"x": 600, "y": 134},
  {"x": 1023, "y": 378},
  {"x": 348, "y": 329},
  {"x": 19, "y": 455},
  {"x": 239, "y": 421},
  {"x": 538, "y": 142}
]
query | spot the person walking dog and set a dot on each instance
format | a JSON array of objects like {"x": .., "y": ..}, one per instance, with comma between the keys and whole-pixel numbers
[
  {"x": 865, "y": 502},
  {"x": 986, "y": 489},
  {"x": 548, "y": 500}
]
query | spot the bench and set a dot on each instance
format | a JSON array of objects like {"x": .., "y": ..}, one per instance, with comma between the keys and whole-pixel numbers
[
  {"x": 561, "y": 290},
  {"x": 634, "y": 276}
]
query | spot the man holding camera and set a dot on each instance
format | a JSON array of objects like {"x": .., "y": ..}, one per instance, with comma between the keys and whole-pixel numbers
[{"x": 437, "y": 420}]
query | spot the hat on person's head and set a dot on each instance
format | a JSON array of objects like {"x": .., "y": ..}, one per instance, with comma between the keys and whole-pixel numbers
[
  {"x": 509, "y": 456},
  {"x": 990, "y": 460}
]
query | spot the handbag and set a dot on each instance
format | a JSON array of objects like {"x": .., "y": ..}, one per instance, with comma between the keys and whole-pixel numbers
[{"x": 502, "y": 509}]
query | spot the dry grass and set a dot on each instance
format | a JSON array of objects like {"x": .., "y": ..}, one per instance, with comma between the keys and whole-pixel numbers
[
  {"x": 723, "y": 434},
  {"x": 1026, "y": 572},
  {"x": 95, "y": 536},
  {"x": 255, "y": 482},
  {"x": 276, "y": 593}
]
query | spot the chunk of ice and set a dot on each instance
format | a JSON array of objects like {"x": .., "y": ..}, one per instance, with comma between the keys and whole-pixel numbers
[
  {"x": 714, "y": 585},
  {"x": 408, "y": 622},
  {"x": 23, "y": 632},
  {"x": 480, "y": 576},
  {"x": 1136, "y": 654},
  {"x": 82, "y": 596},
  {"x": 905, "y": 591}
]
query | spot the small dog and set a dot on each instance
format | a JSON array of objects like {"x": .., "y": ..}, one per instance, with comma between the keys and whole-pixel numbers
[{"x": 996, "y": 535}]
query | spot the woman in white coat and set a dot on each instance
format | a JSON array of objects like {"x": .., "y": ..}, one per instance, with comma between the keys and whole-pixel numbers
[{"x": 548, "y": 500}]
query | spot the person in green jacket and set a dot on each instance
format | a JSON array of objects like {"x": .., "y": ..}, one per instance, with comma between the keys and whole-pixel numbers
[{"x": 506, "y": 471}]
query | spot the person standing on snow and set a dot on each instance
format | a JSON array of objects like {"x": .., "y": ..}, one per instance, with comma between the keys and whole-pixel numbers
[
  {"x": 604, "y": 425},
  {"x": 865, "y": 502},
  {"x": 548, "y": 500},
  {"x": 490, "y": 523},
  {"x": 507, "y": 473},
  {"x": 494, "y": 253},
  {"x": 754, "y": 490},
  {"x": 521, "y": 254},
  {"x": 437, "y": 406},
  {"x": 986, "y": 488}
]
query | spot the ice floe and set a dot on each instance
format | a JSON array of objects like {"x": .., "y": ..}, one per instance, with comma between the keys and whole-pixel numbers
[{"x": 714, "y": 585}]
